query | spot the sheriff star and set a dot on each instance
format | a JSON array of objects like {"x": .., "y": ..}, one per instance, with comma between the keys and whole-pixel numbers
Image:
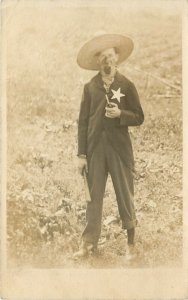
[{"x": 117, "y": 94}]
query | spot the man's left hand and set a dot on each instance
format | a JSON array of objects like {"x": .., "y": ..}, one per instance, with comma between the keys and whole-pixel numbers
[{"x": 113, "y": 112}]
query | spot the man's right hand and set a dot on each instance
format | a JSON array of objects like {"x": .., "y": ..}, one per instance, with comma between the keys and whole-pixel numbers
[{"x": 82, "y": 164}]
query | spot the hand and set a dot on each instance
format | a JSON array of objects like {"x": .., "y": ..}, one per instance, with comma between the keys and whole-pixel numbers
[
  {"x": 82, "y": 164},
  {"x": 113, "y": 112}
]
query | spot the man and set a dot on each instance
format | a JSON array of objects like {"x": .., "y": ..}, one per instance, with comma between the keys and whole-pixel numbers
[{"x": 110, "y": 104}]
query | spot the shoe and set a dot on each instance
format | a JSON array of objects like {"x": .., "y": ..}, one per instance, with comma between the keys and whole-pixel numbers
[
  {"x": 130, "y": 253},
  {"x": 84, "y": 251}
]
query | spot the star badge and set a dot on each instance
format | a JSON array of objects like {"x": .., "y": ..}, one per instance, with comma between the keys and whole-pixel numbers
[{"x": 117, "y": 94}]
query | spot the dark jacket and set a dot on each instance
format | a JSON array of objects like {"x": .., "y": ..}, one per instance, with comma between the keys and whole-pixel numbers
[{"x": 92, "y": 120}]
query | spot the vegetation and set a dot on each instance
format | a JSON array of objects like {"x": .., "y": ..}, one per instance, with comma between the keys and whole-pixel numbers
[{"x": 45, "y": 194}]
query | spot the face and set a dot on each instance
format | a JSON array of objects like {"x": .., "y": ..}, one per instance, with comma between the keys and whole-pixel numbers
[{"x": 107, "y": 60}]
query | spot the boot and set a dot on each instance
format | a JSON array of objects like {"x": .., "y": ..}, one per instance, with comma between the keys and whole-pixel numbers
[
  {"x": 84, "y": 250},
  {"x": 130, "y": 253}
]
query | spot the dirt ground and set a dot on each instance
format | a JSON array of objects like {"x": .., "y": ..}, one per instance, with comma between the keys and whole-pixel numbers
[{"x": 45, "y": 195}]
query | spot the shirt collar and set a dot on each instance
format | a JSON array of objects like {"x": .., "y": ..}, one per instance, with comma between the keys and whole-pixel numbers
[{"x": 98, "y": 79}]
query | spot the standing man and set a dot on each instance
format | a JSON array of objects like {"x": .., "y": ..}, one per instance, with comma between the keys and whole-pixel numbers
[{"x": 110, "y": 104}]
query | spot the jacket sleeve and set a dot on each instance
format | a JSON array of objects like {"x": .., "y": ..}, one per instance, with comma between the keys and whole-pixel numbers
[
  {"x": 133, "y": 116},
  {"x": 83, "y": 122}
]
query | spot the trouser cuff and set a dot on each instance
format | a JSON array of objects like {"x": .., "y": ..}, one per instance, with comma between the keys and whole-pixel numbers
[
  {"x": 89, "y": 241},
  {"x": 129, "y": 224}
]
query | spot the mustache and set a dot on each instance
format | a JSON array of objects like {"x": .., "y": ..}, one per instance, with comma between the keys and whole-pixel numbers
[{"x": 107, "y": 69}]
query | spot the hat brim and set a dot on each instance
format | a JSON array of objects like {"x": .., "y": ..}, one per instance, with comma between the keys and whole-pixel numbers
[{"x": 87, "y": 56}]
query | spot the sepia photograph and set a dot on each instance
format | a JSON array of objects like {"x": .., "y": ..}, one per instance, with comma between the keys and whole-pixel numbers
[{"x": 92, "y": 149}]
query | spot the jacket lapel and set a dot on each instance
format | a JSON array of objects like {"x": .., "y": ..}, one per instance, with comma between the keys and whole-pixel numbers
[{"x": 98, "y": 82}]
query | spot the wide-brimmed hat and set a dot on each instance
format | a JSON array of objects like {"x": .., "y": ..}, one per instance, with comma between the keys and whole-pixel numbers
[{"x": 87, "y": 56}]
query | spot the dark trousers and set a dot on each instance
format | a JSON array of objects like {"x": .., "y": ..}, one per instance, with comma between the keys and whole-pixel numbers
[{"x": 106, "y": 160}]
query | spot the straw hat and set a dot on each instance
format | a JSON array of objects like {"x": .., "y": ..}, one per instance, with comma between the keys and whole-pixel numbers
[{"x": 87, "y": 56}]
